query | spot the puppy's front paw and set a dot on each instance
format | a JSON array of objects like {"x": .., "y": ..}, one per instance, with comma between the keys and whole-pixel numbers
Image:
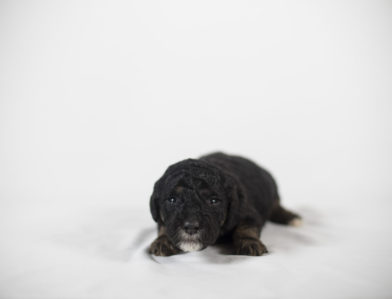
[
  {"x": 163, "y": 247},
  {"x": 250, "y": 246}
]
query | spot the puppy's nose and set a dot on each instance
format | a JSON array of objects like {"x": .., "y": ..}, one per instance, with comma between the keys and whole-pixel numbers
[{"x": 191, "y": 227}]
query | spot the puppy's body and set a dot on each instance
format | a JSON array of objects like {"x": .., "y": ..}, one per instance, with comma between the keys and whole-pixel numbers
[{"x": 197, "y": 203}]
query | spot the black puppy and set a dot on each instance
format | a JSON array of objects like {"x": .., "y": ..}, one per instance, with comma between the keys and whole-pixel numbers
[{"x": 197, "y": 203}]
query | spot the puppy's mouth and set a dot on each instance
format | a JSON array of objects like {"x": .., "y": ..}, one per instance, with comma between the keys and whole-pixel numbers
[{"x": 188, "y": 242}]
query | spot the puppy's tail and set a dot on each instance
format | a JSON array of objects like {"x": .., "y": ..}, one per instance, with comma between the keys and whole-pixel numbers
[{"x": 282, "y": 216}]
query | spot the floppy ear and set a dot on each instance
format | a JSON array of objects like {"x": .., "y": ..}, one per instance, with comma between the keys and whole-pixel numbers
[
  {"x": 154, "y": 206},
  {"x": 236, "y": 200}
]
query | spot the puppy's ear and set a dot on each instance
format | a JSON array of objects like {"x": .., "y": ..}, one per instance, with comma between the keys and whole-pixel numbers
[
  {"x": 154, "y": 205},
  {"x": 236, "y": 199}
]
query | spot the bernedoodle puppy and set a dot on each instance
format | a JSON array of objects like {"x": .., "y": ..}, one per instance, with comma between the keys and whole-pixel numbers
[{"x": 199, "y": 202}]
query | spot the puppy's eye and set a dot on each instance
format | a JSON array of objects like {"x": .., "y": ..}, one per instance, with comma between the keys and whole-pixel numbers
[
  {"x": 214, "y": 201},
  {"x": 171, "y": 200}
]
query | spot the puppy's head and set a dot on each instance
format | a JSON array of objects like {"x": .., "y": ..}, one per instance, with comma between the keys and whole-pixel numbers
[{"x": 193, "y": 200}]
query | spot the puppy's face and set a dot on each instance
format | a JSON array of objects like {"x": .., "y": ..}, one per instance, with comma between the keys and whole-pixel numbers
[{"x": 191, "y": 205}]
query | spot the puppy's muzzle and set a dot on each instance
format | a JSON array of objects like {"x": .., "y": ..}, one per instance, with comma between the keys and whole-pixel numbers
[
  {"x": 190, "y": 236},
  {"x": 191, "y": 227}
]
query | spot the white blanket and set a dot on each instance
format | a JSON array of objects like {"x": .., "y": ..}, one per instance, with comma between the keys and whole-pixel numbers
[{"x": 99, "y": 251}]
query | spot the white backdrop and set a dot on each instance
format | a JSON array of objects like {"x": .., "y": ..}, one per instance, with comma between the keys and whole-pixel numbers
[{"x": 98, "y": 98}]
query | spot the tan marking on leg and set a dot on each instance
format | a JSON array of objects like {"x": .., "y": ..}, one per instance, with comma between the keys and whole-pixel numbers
[
  {"x": 162, "y": 218},
  {"x": 162, "y": 231},
  {"x": 246, "y": 241},
  {"x": 246, "y": 232},
  {"x": 162, "y": 246}
]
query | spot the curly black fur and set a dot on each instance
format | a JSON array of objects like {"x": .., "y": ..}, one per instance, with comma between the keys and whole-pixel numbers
[{"x": 198, "y": 202}]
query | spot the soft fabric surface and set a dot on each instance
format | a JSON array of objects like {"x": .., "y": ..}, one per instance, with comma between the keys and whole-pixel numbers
[{"x": 99, "y": 251}]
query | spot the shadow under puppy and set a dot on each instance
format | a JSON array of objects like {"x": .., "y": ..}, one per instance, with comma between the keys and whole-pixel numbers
[{"x": 200, "y": 202}]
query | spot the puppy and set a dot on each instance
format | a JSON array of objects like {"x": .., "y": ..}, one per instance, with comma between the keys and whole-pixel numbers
[{"x": 197, "y": 203}]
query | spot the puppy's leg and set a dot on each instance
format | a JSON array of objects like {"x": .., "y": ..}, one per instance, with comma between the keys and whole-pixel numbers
[
  {"x": 246, "y": 240},
  {"x": 282, "y": 216},
  {"x": 162, "y": 246}
]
